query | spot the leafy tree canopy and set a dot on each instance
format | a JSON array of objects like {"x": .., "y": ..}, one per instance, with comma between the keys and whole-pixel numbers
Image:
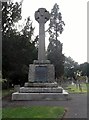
[
  {"x": 18, "y": 47},
  {"x": 11, "y": 13},
  {"x": 56, "y": 23},
  {"x": 70, "y": 66},
  {"x": 55, "y": 46}
]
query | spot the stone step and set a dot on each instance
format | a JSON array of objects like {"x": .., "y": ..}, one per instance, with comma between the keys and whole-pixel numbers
[
  {"x": 40, "y": 90},
  {"x": 41, "y": 62},
  {"x": 40, "y": 96},
  {"x": 28, "y": 84}
]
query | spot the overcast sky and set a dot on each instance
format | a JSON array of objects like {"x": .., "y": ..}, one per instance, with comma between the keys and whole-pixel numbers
[{"x": 74, "y": 14}]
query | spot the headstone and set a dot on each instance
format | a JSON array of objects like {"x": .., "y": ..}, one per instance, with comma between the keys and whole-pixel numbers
[{"x": 17, "y": 88}]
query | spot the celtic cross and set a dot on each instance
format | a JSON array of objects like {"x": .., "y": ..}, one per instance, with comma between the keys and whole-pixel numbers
[{"x": 41, "y": 16}]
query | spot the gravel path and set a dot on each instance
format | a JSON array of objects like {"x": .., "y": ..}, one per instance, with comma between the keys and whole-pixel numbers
[{"x": 76, "y": 107}]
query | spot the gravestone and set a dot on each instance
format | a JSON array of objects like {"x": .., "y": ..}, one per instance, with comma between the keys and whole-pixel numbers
[{"x": 41, "y": 83}]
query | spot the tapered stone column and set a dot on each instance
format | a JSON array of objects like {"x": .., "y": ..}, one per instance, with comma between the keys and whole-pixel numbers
[{"x": 41, "y": 49}]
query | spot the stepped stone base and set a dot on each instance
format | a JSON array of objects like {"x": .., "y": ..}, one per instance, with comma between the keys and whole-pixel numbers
[
  {"x": 40, "y": 91},
  {"x": 40, "y": 96}
]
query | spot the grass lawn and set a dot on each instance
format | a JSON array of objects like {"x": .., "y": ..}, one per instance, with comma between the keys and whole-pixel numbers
[
  {"x": 7, "y": 92},
  {"x": 0, "y": 87},
  {"x": 74, "y": 89},
  {"x": 0, "y": 93},
  {"x": 33, "y": 112}
]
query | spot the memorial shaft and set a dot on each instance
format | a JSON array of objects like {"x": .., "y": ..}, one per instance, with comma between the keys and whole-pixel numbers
[{"x": 41, "y": 49}]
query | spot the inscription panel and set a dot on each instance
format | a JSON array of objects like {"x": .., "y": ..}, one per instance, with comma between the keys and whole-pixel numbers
[{"x": 41, "y": 73}]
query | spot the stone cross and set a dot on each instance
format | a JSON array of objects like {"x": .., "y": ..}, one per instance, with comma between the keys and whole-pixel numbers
[{"x": 41, "y": 16}]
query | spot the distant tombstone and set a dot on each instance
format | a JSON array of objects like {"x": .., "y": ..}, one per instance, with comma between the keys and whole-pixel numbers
[
  {"x": 17, "y": 88},
  {"x": 86, "y": 79}
]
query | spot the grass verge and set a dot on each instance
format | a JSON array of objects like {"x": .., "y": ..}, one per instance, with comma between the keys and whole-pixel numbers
[
  {"x": 7, "y": 92},
  {"x": 33, "y": 112},
  {"x": 76, "y": 89}
]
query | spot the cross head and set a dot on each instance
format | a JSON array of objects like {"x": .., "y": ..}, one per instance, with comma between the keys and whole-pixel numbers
[{"x": 42, "y": 15}]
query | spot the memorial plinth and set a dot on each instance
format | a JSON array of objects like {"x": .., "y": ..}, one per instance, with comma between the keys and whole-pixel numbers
[
  {"x": 41, "y": 73},
  {"x": 41, "y": 77}
]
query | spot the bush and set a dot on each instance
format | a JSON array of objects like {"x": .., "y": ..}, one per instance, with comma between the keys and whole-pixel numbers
[{"x": 4, "y": 83}]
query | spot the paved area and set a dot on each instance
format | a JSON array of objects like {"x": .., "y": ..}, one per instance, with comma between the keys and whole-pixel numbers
[{"x": 76, "y": 107}]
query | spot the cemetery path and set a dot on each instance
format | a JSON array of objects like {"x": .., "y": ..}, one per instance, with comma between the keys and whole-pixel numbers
[{"x": 76, "y": 107}]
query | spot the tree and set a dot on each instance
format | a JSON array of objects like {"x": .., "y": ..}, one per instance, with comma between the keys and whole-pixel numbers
[
  {"x": 56, "y": 57},
  {"x": 55, "y": 46},
  {"x": 56, "y": 23},
  {"x": 88, "y": 70},
  {"x": 70, "y": 66},
  {"x": 18, "y": 47},
  {"x": 11, "y": 13},
  {"x": 83, "y": 67}
]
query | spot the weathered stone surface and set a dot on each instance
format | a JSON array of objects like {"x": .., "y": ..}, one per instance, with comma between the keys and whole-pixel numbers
[
  {"x": 40, "y": 90},
  {"x": 29, "y": 84},
  {"x": 41, "y": 16},
  {"x": 17, "y": 88},
  {"x": 32, "y": 73},
  {"x": 41, "y": 62},
  {"x": 40, "y": 96},
  {"x": 41, "y": 70}
]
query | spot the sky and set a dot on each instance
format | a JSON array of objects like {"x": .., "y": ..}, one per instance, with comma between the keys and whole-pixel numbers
[{"x": 74, "y": 14}]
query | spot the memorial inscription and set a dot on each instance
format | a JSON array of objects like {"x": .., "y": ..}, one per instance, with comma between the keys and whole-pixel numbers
[{"x": 41, "y": 74}]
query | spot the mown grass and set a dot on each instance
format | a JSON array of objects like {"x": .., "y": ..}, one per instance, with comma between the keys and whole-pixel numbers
[
  {"x": 76, "y": 89},
  {"x": 33, "y": 112},
  {"x": 7, "y": 92},
  {"x": 0, "y": 113}
]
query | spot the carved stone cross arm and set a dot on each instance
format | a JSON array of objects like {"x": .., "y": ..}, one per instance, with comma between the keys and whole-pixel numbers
[{"x": 42, "y": 15}]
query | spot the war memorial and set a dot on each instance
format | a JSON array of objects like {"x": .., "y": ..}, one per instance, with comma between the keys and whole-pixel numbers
[{"x": 41, "y": 83}]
